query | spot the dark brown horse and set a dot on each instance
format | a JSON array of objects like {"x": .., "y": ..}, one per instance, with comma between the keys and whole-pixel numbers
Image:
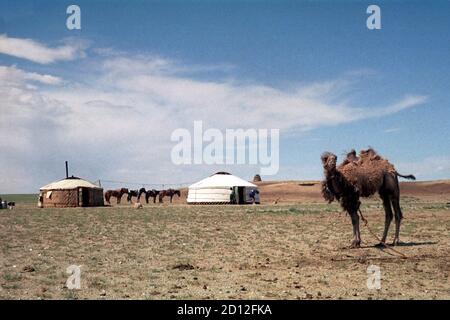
[
  {"x": 131, "y": 194},
  {"x": 169, "y": 193},
  {"x": 151, "y": 193},
  {"x": 141, "y": 191},
  {"x": 135, "y": 193},
  {"x": 115, "y": 193}
]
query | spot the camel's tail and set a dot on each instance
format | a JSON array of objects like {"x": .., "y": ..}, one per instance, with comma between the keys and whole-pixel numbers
[{"x": 409, "y": 176}]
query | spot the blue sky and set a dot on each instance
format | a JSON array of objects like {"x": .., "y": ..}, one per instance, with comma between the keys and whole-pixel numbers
[{"x": 230, "y": 50}]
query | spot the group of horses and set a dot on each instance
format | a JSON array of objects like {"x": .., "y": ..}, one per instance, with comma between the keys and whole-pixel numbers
[{"x": 118, "y": 193}]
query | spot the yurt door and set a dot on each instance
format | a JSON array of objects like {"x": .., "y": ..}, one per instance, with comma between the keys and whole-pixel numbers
[
  {"x": 241, "y": 195},
  {"x": 84, "y": 197}
]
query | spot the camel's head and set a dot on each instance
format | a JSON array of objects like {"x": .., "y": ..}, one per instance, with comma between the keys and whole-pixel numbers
[{"x": 329, "y": 161}]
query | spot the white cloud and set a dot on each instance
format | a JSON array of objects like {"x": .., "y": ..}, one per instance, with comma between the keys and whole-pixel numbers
[
  {"x": 13, "y": 75},
  {"x": 43, "y": 78},
  {"x": 228, "y": 102},
  {"x": 117, "y": 123},
  {"x": 391, "y": 130},
  {"x": 25, "y": 111},
  {"x": 406, "y": 102},
  {"x": 34, "y": 51}
]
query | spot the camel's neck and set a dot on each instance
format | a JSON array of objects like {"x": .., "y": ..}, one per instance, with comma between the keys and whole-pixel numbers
[
  {"x": 331, "y": 173},
  {"x": 333, "y": 180}
]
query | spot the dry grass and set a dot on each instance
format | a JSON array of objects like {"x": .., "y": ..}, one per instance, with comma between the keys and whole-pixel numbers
[{"x": 177, "y": 251}]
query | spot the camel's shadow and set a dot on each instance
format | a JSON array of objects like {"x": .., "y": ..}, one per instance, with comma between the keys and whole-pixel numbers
[
  {"x": 413, "y": 244},
  {"x": 403, "y": 244}
]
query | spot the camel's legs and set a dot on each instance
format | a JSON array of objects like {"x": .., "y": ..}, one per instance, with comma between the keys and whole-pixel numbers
[
  {"x": 398, "y": 220},
  {"x": 171, "y": 199},
  {"x": 357, "y": 236},
  {"x": 388, "y": 217}
]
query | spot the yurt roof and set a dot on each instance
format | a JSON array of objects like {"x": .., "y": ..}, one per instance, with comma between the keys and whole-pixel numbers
[
  {"x": 221, "y": 179},
  {"x": 69, "y": 183}
]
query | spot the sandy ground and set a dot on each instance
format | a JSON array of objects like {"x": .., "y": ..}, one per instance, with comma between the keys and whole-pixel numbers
[{"x": 295, "y": 250}]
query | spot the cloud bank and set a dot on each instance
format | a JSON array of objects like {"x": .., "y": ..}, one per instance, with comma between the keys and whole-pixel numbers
[{"x": 116, "y": 122}]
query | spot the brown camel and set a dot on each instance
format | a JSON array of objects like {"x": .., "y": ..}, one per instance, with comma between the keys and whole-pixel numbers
[
  {"x": 115, "y": 193},
  {"x": 363, "y": 176}
]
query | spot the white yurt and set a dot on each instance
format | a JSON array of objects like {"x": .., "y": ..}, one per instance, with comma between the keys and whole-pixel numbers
[{"x": 222, "y": 188}]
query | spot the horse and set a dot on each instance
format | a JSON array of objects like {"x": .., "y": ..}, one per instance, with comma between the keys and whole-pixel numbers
[
  {"x": 169, "y": 193},
  {"x": 141, "y": 191},
  {"x": 131, "y": 194},
  {"x": 115, "y": 193},
  {"x": 135, "y": 193},
  {"x": 151, "y": 193}
]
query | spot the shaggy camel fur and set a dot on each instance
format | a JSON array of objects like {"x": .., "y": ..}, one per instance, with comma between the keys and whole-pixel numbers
[{"x": 363, "y": 176}]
